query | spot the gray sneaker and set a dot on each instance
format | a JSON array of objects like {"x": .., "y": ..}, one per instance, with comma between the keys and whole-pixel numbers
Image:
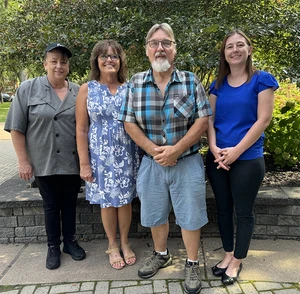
[
  {"x": 192, "y": 283},
  {"x": 153, "y": 264}
]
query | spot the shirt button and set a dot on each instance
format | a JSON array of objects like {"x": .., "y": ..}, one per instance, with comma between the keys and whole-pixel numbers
[
  {"x": 58, "y": 151},
  {"x": 57, "y": 135}
]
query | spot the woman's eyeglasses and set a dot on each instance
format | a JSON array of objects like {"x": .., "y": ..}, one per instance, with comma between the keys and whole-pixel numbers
[
  {"x": 113, "y": 57},
  {"x": 164, "y": 43}
]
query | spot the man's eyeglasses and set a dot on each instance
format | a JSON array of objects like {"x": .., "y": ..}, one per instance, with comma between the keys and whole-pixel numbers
[
  {"x": 113, "y": 57},
  {"x": 164, "y": 43}
]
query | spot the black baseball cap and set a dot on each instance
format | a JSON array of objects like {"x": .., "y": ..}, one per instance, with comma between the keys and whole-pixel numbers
[{"x": 56, "y": 45}]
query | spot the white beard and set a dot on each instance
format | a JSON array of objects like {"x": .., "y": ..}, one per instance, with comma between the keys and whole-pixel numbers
[{"x": 161, "y": 66}]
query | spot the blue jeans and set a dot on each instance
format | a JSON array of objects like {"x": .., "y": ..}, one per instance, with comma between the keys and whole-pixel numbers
[
  {"x": 59, "y": 193},
  {"x": 236, "y": 188}
]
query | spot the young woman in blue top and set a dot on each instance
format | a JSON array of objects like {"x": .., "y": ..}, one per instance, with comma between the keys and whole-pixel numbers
[{"x": 242, "y": 102}]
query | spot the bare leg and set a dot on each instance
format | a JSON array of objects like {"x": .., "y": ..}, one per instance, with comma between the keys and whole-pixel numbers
[
  {"x": 160, "y": 236},
  {"x": 110, "y": 219},
  {"x": 233, "y": 267},
  {"x": 191, "y": 241},
  {"x": 226, "y": 260},
  {"x": 124, "y": 221}
]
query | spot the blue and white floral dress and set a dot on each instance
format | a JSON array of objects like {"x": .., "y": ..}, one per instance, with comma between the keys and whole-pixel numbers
[{"x": 114, "y": 156}]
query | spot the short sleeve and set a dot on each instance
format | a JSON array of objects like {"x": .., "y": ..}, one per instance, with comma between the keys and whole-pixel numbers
[
  {"x": 266, "y": 81},
  {"x": 212, "y": 89},
  {"x": 17, "y": 115},
  {"x": 126, "y": 111},
  {"x": 203, "y": 106}
]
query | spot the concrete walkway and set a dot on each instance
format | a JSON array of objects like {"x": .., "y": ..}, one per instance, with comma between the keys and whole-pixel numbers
[
  {"x": 272, "y": 266},
  {"x": 4, "y": 135}
]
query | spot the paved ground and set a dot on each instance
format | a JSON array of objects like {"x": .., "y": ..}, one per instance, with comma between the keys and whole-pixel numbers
[
  {"x": 8, "y": 159},
  {"x": 272, "y": 266}
]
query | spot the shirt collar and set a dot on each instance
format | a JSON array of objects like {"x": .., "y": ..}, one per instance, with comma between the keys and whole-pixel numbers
[
  {"x": 47, "y": 84},
  {"x": 175, "y": 77}
]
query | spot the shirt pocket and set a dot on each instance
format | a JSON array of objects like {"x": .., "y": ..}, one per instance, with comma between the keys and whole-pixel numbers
[
  {"x": 184, "y": 106},
  {"x": 36, "y": 101},
  {"x": 36, "y": 107}
]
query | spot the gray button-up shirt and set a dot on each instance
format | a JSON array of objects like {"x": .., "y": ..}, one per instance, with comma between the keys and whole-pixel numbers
[{"x": 48, "y": 125}]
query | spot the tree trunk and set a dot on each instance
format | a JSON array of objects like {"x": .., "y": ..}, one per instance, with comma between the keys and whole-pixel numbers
[{"x": 23, "y": 76}]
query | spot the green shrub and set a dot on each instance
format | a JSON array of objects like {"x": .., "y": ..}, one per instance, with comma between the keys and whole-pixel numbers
[{"x": 283, "y": 133}]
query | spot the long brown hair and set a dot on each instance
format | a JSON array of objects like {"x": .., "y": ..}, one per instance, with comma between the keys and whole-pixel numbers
[
  {"x": 101, "y": 48},
  {"x": 224, "y": 68}
]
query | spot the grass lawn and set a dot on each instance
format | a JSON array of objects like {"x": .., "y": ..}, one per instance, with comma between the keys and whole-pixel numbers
[{"x": 3, "y": 111}]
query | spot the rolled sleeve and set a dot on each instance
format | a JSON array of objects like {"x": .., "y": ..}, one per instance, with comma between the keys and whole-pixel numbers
[
  {"x": 17, "y": 117},
  {"x": 126, "y": 111},
  {"x": 202, "y": 102}
]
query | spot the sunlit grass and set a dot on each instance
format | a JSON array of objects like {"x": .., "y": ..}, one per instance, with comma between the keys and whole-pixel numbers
[{"x": 3, "y": 111}]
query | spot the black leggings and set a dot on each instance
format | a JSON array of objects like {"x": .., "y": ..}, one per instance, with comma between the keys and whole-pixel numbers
[
  {"x": 59, "y": 193},
  {"x": 237, "y": 188}
]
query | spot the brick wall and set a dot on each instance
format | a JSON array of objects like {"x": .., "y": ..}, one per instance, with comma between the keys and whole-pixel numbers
[{"x": 277, "y": 215}]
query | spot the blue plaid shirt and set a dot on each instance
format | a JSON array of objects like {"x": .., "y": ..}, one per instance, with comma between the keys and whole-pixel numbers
[{"x": 165, "y": 119}]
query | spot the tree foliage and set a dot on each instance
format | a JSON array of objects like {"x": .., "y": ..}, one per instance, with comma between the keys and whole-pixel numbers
[{"x": 199, "y": 27}]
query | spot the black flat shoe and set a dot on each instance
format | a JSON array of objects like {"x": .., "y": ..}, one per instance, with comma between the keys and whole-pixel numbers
[
  {"x": 226, "y": 280},
  {"x": 217, "y": 271}
]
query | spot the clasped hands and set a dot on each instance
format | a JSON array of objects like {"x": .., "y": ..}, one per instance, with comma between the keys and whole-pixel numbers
[
  {"x": 224, "y": 157},
  {"x": 165, "y": 155}
]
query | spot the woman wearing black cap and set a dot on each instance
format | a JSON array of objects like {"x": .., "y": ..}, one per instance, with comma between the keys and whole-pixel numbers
[{"x": 41, "y": 121}]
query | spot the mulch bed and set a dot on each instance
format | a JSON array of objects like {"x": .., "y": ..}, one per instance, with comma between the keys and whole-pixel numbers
[{"x": 277, "y": 176}]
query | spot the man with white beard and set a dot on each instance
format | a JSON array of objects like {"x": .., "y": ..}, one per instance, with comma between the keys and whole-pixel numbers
[{"x": 166, "y": 113}]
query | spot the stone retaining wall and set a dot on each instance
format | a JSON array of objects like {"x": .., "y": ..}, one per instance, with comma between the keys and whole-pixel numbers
[{"x": 277, "y": 215}]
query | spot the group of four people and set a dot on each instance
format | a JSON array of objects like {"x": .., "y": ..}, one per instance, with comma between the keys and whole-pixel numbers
[{"x": 142, "y": 138}]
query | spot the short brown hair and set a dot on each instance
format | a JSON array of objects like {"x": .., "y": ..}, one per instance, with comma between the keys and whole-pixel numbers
[{"x": 62, "y": 52}]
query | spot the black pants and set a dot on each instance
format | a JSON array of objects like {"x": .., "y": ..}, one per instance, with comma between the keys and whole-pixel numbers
[
  {"x": 236, "y": 188},
  {"x": 59, "y": 193}
]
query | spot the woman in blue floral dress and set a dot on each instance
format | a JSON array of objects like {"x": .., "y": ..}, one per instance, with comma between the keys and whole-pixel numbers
[{"x": 109, "y": 159}]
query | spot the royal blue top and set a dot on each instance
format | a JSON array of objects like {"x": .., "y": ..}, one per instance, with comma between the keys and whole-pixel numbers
[{"x": 236, "y": 112}]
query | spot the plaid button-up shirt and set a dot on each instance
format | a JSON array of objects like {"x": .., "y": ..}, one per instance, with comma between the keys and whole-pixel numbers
[{"x": 165, "y": 119}]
